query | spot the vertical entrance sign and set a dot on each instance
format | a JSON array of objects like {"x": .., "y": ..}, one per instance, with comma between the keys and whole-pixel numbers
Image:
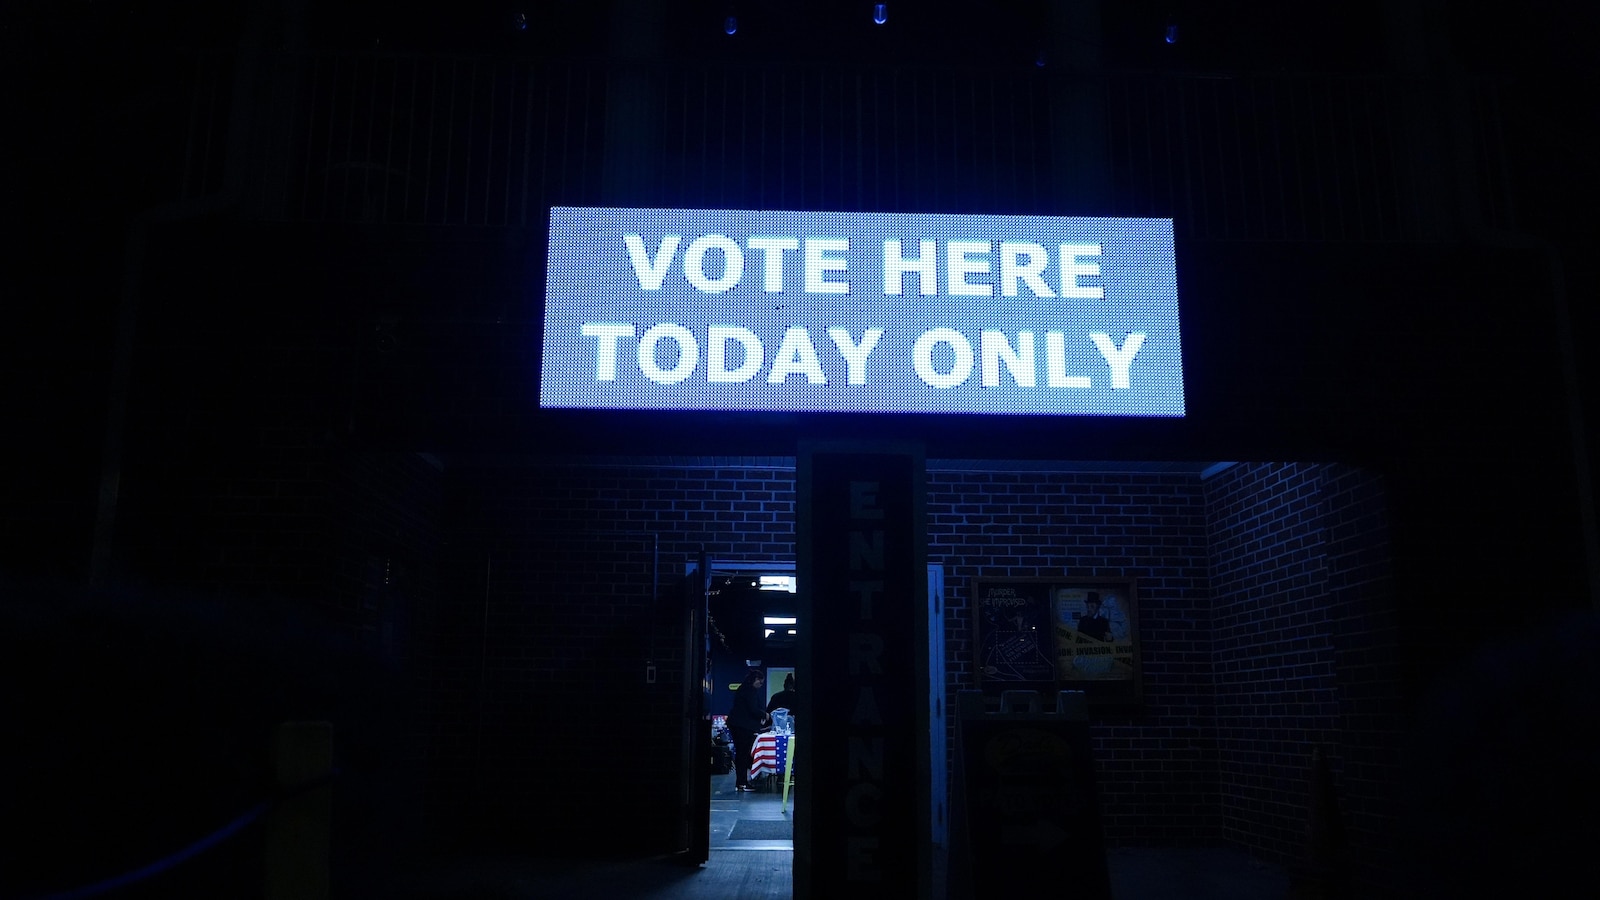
[{"x": 862, "y": 807}]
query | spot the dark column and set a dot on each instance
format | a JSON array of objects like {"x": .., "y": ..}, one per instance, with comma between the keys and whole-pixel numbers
[
  {"x": 633, "y": 106},
  {"x": 1077, "y": 108},
  {"x": 861, "y": 808}
]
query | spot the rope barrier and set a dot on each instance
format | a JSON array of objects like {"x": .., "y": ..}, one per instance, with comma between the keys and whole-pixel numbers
[{"x": 195, "y": 849}]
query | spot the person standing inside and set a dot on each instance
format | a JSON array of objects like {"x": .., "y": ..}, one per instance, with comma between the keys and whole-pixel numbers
[
  {"x": 747, "y": 716},
  {"x": 784, "y": 699}
]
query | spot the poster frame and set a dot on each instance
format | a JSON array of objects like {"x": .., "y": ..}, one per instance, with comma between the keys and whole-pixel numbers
[{"x": 1015, "y": 621}]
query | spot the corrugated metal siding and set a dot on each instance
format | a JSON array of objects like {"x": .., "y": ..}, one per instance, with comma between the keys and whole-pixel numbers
[{"x": 451, "y": 141}]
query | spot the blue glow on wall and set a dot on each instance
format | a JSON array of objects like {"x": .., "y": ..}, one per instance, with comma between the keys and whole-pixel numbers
[{"x": 860, "y": 312}]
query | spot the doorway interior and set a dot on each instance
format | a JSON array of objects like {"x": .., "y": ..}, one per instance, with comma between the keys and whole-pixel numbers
[
  {"x": 753, "y": 620},
  {"x": 754, "y": 616}
]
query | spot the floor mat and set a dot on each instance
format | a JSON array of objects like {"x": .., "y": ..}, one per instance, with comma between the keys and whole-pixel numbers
[{"x": 762, "y": 830}]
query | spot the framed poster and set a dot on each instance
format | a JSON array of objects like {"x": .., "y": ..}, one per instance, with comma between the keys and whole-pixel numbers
[{"x": 1058, "y": 634}]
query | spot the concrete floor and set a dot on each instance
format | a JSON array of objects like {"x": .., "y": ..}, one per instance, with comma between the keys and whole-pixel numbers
[
  {"x": 1136, "y": 874},
  {"x": 1193, "y": 873},
  {"x": 762, "y": 870},
  {"x": 729, "y": 806}
]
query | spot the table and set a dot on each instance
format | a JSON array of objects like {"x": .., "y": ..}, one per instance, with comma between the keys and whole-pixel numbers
[{"x": 770, "y": 756}]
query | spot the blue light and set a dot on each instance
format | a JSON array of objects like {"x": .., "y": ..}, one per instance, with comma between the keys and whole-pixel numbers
[
  {"x": 522, "y": 21},
  {"x": 1172, "y": 34},
  {"x": 880, "y": 13},
  {"x": 730, "y": 25}
]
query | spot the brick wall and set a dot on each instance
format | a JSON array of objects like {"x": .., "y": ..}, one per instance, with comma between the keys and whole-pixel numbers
[
  {"x": 245, "y": 511},
  {"x": 526, "y": 540},
  {"x": 563, "y": 580},
  {"x": 1272, "y": 648},
  {"x": 387, "y": 511},
  {"x": 1305, "y": 657},
  {"x": 1367, "y": 655},
  {"x": 1157, "y": 767},
  {"x": 526, "y": 599},
  {"x": 1259, "y": 592},
  {"x": 246, "y": 596}
]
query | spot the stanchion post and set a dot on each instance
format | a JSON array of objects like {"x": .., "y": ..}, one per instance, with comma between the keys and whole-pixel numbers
[
  {"x": 299, "y": 829},
  {"x": 788, "y": 773}
]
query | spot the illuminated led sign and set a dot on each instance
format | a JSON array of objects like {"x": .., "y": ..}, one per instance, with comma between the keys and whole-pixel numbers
[{"x": 860, "y": 312}]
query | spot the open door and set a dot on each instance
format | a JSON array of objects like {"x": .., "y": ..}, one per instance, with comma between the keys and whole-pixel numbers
[
  {"x": 938, "y": 770},
  {"x": 695, "y": 827}
]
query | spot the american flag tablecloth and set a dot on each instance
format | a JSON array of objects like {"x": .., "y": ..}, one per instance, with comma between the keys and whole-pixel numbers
[{"x": 770, "y": 754}]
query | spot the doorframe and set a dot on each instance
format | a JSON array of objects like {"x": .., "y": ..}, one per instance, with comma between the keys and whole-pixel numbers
[
  {"x": 696, "y": 711},
  {"x": 695, "y": 802},
  {"x": 938, "y": 744}
]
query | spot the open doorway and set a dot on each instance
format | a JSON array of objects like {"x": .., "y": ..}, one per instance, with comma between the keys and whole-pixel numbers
[
  {"x": 755, "y": 616},
  {"x": 753, "y": 624}
]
